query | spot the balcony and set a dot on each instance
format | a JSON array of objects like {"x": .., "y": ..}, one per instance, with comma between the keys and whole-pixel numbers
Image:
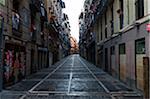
[
  {"x": 52, "y": 14},
  {"x": 62, "y": 4}
]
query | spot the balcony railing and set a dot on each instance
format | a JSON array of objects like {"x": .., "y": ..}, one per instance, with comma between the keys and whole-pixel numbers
[{"x": 97, "y": 7}]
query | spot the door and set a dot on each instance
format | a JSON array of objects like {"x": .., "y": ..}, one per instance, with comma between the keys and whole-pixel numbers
[
  {"x": 122, "y": 62},
  {"x": 140, "y": 54},
  {"x": 32, "y": 61},
  {"x": 113, "y": 68}
]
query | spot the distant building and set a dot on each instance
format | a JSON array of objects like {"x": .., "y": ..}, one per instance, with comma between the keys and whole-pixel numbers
[
  {"x": 74, "y": 46},
  {"x": 65, "y": 36},
  {"x": 114, "y": 34},
  {"x": 32, "y": 33}
]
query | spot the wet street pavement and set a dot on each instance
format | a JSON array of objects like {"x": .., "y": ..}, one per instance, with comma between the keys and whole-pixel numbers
[{"x": 70, "y": 78}]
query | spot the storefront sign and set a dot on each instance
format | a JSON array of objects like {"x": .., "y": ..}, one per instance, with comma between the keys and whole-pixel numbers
[{"x": 2, "y": 2}]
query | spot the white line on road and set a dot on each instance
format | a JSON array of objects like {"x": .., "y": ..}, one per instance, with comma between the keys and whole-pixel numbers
[
  {"x": 30, "y": 80},
  {"x": 71, "y": 74},
  {"x": 49, "y": 92},
  {"x": 98, "y": 80},
  {"x": 47, "y": 76},
  {"x": 95, "y": 77},
  {"x": 77, "y": 93},
  {"x": 23, "y": 97},
  {"x": 30, "y": 91},
  {"x": 70, "y": 82}
]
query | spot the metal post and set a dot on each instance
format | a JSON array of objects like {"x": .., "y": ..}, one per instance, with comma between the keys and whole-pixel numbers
[{"x": 1, "y": 50}]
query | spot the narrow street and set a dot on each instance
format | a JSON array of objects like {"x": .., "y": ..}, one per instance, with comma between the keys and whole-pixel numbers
[{"x": 71, "y": 78}]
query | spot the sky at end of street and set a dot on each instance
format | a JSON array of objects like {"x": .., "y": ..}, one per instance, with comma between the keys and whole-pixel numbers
[{"x": 73, "y": 10}]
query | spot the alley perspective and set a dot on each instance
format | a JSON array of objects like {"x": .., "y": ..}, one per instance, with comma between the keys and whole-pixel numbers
[
  {"x": 72, "y": 77},
  {"x": 41, "y": 58}
]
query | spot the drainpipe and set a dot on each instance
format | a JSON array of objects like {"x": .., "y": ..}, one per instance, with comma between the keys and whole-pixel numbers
[
  {"x": 128, "y": 12},
  {"x": 1, "y": 50}
]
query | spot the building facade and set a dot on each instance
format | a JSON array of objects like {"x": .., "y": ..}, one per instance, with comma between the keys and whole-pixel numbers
[
  {"x": 30, "y": 31},
  {"x": 74, "y": 46},
  {"x": 65, "y": 36},
  {"x": 122, "y": 37},
  {"x": 1, "y": 41},
  {"x": 58, "y": 36},
  {"x": 15, "y": 37}
]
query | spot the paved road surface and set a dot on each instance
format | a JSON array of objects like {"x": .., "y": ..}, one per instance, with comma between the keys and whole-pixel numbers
[{"x": 71, "y": 78}]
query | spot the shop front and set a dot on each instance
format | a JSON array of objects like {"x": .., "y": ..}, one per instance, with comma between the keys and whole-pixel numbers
[{"x": 14, "y": 61}]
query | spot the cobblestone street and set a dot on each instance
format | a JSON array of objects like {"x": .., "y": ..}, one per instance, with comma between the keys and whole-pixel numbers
[{"x": 70, "y": 78}]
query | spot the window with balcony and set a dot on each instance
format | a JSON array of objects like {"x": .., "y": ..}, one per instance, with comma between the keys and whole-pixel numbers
[
  {"x": 16, "y": 23},
  {"x": 15, "y": 15},
  {"x": 15, "y": 20},
  {"x": 139, "y": 7}
]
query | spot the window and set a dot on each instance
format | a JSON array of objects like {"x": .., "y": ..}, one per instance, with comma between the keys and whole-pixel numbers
[
  {"x": 16, "y": 5},
  {"x": 106, "y": 24},
  {"x": 16, "y": 16},
  {"x": 0, "y": 23},
  {"x": 15, "y": 21},
  {"x": 140, "y": 46},
  {"x": 121, "y": 14},
  {"x": 112, "y": 50},
  {"x": 139, "y": 7},
  {"x": 112, "y": 21},
  {"x": 101, "y": 30},
  {"x": 106, "y": 32},
  {"x": 122, "y": 49}
]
